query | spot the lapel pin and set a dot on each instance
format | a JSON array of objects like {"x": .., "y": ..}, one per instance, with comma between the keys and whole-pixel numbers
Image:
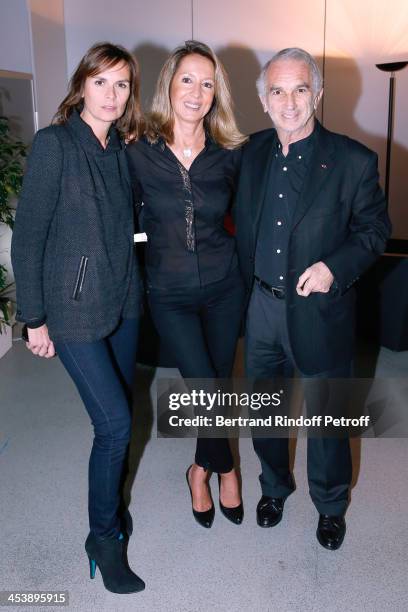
[{"x": 324, "y": 166}]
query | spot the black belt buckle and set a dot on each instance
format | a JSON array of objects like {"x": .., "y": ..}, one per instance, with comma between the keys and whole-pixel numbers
[{"x": 277, "y": 292}]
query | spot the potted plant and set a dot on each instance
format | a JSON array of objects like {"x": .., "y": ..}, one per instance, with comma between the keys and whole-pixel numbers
[
  {"x": 6, "y": 312},
  {"x": 12, "y": 154}
]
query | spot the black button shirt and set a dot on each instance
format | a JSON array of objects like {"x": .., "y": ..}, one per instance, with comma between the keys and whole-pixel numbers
[
  {"x": 285, "y": 181},
  {"x": 183, "y": 212}
]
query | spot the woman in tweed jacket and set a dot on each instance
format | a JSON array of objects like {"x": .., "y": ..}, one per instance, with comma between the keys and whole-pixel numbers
[{"x": 78, "y": 288}]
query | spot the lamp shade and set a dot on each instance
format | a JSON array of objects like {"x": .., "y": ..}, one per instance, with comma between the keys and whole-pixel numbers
[{"x": 392, "y": 66}]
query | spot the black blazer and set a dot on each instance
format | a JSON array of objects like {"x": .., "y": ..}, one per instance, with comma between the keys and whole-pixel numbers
[
  {"x": 340, "y": 219},
  {"x": 72, "y": 248}
]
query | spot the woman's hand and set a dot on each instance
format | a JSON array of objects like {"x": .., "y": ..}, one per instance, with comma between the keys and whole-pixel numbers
[{"x": 39, "y": 342}]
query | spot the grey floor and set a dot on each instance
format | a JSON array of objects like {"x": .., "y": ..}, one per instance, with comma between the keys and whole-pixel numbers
[{"x": 45, "y": 441}]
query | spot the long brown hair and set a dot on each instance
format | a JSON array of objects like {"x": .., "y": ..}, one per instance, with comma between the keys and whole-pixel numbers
[
  {"x": 219, "y": 122},
  {"x": 102, "y": 56}
]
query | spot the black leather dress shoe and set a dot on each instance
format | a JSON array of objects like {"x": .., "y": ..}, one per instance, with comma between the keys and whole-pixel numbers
[
  {"x": 206, "y": 518},
  {"x": 269, "y": 511},
  {"x": 330, "y": 531}
]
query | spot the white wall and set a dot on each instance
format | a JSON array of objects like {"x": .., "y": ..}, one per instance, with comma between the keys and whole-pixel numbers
[
  {"x": 360, "y": 35},
  {"x": 49, "y": 56},
  {"x": 246, "y": 34},
  {"x": 32, "y": 41},
  {"x": 15, "y": 46},
  {"x": 149, "y": 28},
  {"x": 15, "y": 56},
  {"x": 357, "y": 36}
]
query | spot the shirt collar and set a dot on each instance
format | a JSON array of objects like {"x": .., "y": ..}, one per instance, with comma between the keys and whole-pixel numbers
[
  {"x": 300, "y": 148},
  {"x": 89, "y": 141}
]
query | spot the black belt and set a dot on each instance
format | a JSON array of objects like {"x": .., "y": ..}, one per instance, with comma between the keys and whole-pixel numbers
[{"x": 278, "y": 292}]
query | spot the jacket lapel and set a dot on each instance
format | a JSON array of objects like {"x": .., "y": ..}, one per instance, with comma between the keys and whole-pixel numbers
[
  {"x": 321, "y": 167},
  {"x": 261, "y": 164}
]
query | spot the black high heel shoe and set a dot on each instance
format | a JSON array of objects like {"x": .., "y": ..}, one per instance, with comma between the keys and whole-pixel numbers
[
  {"x": 236, "y": 514},
  {"x": 206, "y": 518},
  {"x": 109, "y": 554}
]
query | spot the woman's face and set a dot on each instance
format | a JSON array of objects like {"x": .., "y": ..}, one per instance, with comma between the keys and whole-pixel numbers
[
  {"x": 192, "y": 88},
  {"x": 105, "y": 95}
]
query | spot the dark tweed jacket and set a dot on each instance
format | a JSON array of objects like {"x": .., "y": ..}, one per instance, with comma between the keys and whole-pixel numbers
[{"x": 72, "y": 248}]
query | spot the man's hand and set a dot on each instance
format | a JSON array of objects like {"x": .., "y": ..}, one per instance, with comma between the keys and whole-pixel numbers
[
  {"x": 316, "y": 279},
  {"x": 39, "y": 342}
]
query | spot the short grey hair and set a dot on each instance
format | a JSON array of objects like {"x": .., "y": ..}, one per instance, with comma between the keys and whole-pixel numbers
[{"x": 296, "y": 54}]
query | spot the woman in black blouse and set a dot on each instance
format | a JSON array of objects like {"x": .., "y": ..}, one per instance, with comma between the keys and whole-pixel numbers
[
  {"x": 184, "y": 173},
  {"x": 78, "y": 288}
]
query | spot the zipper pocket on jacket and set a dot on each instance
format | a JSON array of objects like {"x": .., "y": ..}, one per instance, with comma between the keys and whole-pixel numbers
[{"x": 79, "y": 281}]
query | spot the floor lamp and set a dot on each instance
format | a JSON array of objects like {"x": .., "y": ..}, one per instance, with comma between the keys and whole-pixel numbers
[{"x": 391, "y": 67}]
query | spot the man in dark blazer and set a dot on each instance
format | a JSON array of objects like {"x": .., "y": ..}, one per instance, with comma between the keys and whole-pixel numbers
[{"x": 310, "y": 219}]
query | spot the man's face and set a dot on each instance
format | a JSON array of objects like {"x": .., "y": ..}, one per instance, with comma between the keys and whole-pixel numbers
[{"x": 289, "y": 98}]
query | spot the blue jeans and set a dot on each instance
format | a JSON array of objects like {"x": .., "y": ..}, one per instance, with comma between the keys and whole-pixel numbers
[{"x": 103, "y": 373}]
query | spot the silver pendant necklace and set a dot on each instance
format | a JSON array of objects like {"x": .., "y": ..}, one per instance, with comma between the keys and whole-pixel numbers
[{"x": 187, "y": 153}]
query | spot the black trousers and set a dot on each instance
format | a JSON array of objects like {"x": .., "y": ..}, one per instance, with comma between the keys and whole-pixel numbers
[
  {"x": 267, "y": 355},
  {"x": 200, "y": 327}
]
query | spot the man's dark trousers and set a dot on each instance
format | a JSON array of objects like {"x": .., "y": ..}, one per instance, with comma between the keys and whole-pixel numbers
[{"x": 268, "y": 354}]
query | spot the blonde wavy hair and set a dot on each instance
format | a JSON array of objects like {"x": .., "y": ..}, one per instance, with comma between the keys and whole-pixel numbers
[{"x": 219, "y": 122}]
